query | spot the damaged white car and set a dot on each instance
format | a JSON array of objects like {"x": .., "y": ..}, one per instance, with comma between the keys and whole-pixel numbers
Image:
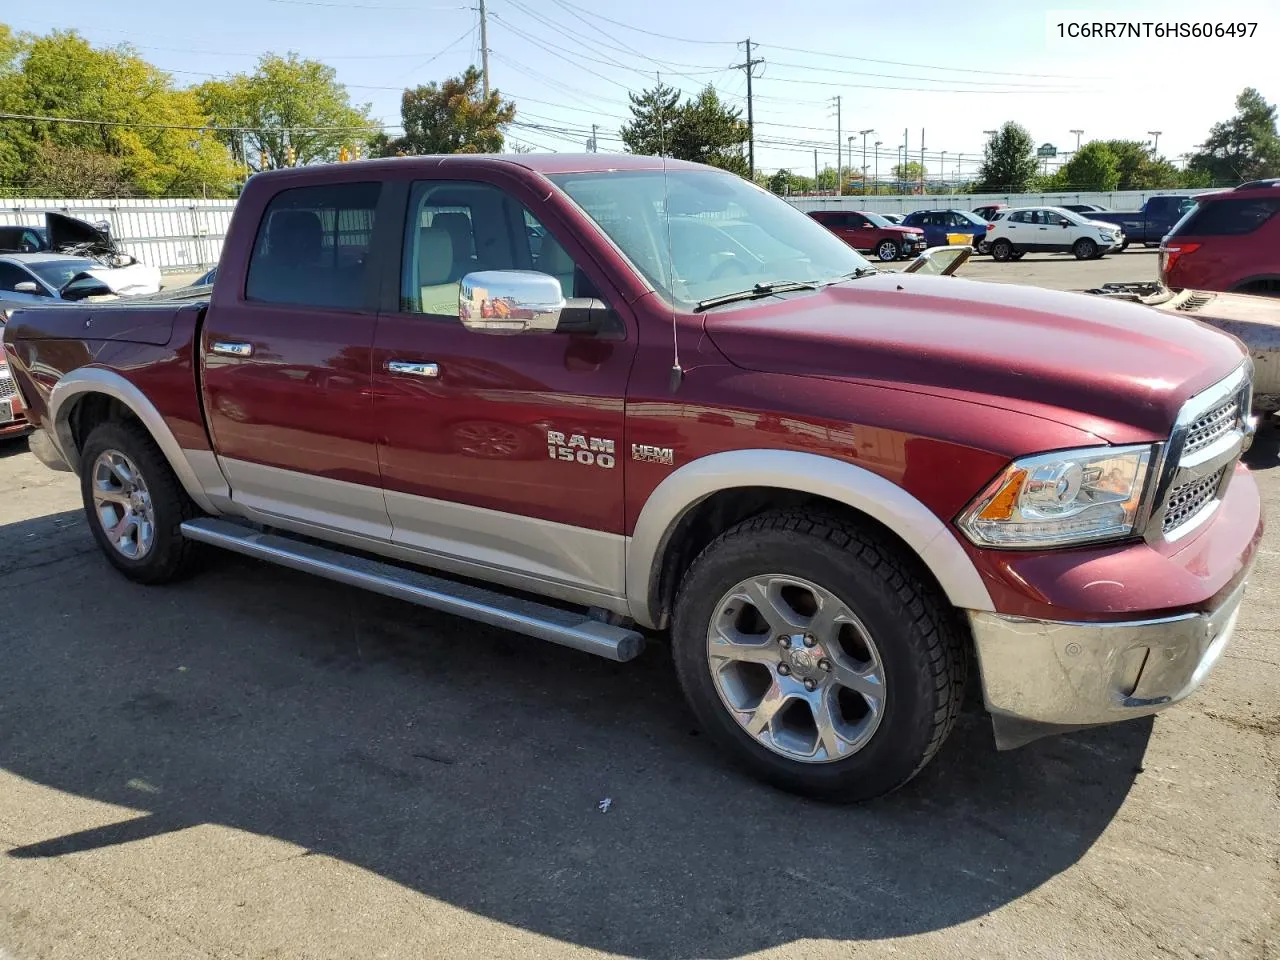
[{"x": 76, "y": 260}]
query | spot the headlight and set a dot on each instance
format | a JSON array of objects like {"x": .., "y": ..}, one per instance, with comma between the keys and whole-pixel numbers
[{"x": 1057, "y": 499}]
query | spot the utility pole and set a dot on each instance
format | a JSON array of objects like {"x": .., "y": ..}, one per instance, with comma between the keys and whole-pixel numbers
[
  {"x": 850, "y": 140},
  {"x": 1078, "y": 134},
  {"x": 815, "y": 171},
  {"x": 906, "y": 155},
  {"x": 877, "y": 177},
  {"x": 839, "y": 146},
  {"x": 864, "y": 159},
  {"x": 595, "y": 145},
  {"x": 750, "y": 67},
  {"x": 1155, "y": 147},
  {"x": 942, "y": 169},
  {"x": 484, "y": 47},
  {"x": 922, "y": 161}
]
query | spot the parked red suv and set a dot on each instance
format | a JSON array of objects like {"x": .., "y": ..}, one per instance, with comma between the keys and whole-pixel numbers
[
  {"x": 872, "y": 232},
  {"x": 1229, "y": 241}
]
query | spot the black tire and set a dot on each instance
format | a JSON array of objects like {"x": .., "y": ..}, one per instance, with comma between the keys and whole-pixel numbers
[
  {"x": 888, "y": 250},
  {"x": 1124, "y": 246},
  {"x": 171, "y": 556},
  {"x": 1085, "y": 249},
  {"x": 1260, "y": 288},
  {"x": 1018, "y": 256},
  {"x": 1001, "y": 251},
  {"x": 914, "y": 628}
]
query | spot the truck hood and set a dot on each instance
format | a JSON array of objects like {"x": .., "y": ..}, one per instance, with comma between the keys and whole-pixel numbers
[{"x": 1117, "y": 370}]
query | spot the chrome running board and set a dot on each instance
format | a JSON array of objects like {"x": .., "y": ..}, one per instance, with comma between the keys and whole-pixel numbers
[{"x": 529, "y": 617}]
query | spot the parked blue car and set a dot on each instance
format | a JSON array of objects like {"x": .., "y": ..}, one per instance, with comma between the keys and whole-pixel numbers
[{"x": 937, "y": 224}]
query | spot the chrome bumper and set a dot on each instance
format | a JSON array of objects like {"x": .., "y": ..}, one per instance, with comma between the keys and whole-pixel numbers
[{"x": 1041, "y": 677}]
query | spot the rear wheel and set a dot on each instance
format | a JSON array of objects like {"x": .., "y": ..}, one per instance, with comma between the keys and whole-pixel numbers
[
  {"x": 812, "y": 654},
  {"x": 135, "y": 504},
  {"x": 1018, "y": 256},
  {"x": 888, "y": 250},
  {"x": 1085, "y": 249},
  {"x": 1001, "y": 250}
]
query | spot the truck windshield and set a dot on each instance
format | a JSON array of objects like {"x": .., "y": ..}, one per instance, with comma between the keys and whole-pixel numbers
[{"x": 697, "y": 235}]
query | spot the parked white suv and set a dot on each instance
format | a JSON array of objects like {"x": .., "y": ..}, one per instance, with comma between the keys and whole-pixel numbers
[{"x": 1025, "y": 230}]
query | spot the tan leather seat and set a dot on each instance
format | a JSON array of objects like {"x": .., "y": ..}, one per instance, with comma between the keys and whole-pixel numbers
[
  {"x": 438, "y": 294},
  {"x": 555, "y": 261}
]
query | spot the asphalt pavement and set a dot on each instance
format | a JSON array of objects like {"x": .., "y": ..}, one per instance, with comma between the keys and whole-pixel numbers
[{"x": 254, "y": 763}]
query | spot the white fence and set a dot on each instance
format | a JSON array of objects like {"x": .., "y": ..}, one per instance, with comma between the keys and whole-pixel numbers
[
  {"x": 1120, "y": 200},
  {"x": 174, "y": 235},
  {"x": 187, "y": 235}
]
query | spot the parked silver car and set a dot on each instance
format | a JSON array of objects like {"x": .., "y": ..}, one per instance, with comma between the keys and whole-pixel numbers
[{"x": 35, "y": 278}]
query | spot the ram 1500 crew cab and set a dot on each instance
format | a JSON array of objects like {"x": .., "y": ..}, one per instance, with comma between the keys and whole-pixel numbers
[{"x": 687, "y": 410}]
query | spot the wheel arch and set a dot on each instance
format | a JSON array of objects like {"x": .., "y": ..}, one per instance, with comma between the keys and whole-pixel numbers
[
  {"x": 1242, "y": 285},
  {"x": 86, "y": 397},
  {"x": 721, "y": 489}
]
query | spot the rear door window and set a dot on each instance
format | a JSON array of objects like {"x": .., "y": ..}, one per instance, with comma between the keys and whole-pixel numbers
[
  {"x": 313, "y": 246},
  {"x": 1231, "y": 217}
]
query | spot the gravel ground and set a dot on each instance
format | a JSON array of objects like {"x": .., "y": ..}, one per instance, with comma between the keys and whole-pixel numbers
[{"x": 258, "y": 764}]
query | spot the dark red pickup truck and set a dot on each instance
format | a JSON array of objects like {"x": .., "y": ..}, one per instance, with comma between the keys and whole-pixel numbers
[{"x": 642, "y": 398}]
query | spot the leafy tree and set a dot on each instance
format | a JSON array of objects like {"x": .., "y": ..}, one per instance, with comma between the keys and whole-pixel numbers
[
  {"x": 286, "y": 102},
  {"x": 1092, "y": 167},
  {"x": 702, "y": 129},
  {"x": 1139, "y": 169},
  {"x": 1246, "y": 147},
  {"x": 780, "y": 182},
  {"x": 76, "y": 172},
  {"x": 910, "y": 172},
  {"x": 708, "y": 131},
  {"x": 62, "y": 75},
  {"x": 450, "y": 117},
  {"x": 1009, "y": 160},
  {"x": 653, "y": 117}
]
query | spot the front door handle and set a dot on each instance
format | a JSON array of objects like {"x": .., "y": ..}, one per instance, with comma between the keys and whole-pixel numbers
[
  {"x": 413, "y": 368},
  {"x": 232, "y": 348}
]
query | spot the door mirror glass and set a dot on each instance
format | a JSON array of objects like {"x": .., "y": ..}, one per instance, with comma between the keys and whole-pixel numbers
[
  {"x": 510, "y": 301},
  {"x": 26, "y": 286}
]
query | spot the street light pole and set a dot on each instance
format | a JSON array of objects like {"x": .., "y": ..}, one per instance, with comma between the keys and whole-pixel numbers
[
  {"x": 1078, "y": 134},
  {"x": 1155, "y": 147},
  {"x": 849, "y": 139},
  {"x": 942, "y": 168},
  {"x": 877, "y": 149}
]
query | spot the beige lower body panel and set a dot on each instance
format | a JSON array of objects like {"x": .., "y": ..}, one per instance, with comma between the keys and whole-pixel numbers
[{"x": 555, "y": 560}]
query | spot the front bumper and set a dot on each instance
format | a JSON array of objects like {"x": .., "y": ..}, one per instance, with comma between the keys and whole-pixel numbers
[{"x": 1042, "y": 677}]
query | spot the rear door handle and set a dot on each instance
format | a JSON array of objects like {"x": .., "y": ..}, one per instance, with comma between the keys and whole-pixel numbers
[
  {"x": 413, "y": 368},
  {"x": 232, "y": 348}
]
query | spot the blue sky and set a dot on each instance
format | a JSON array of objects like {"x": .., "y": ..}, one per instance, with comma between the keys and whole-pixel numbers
[{"x": 958, "y": 68}]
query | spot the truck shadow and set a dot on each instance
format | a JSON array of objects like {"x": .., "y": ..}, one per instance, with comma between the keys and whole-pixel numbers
[{"x": 467, "y": 764}]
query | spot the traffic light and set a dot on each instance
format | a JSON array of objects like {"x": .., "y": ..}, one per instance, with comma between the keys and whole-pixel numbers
[
  {"x": 343, "y": 155},
  {"x": 291, "y": 156}
]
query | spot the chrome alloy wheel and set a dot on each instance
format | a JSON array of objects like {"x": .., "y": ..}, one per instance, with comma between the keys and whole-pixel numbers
[
  {"x": 796, "y": 668},
  {"x": 122, "y": 504}
]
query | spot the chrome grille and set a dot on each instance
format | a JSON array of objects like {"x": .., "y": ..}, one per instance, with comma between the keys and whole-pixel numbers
[
  {"x": 7, "y": 388},
  {"x": 1218, "y": 422},
  {"x": 1188, "y": 499}
]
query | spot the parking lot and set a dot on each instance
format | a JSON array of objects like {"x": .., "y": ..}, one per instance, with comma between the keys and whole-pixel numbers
[{"x": 256, "y": 763}]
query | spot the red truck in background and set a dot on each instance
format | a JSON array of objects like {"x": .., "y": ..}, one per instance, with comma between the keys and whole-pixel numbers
[{"x": 699, "y": 413}]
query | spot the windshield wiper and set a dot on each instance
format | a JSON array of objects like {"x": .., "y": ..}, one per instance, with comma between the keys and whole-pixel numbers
[
  {"x": 857, "y": 274},
  {"x": 759, "y": 290}
]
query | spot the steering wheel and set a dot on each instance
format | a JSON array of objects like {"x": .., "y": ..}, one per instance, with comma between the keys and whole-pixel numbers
[{"x": 733, "y": 267}]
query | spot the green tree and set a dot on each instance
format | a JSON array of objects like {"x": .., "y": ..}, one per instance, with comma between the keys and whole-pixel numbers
[
  {"x": 702, "y": 129},
  {"x": 1139, "y": 169},
  {"x": 910, "y": 172},
  {"x": 1246, "y": 147},
  {"x": 708, "y": 131},
  {"x": 147, "y": 138},
  {"x": 1009, "y": 160},
  {"x": 653, "y": 116},
  {"x": 76, "y": 172},
  {"x": 780, "y": 182},
  {"x": 1092, "y": 167},
  {"x": 450, "y": 117},
  {"x": 286, "y": 103}
]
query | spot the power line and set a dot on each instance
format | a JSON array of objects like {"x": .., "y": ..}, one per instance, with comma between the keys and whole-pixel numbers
[{"x": 662, "y": 36}]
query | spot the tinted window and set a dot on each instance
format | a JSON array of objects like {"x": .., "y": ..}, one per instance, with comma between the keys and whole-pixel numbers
[
  {"x": 1229, "y": 217},
  {"x": 11, "y": 275},
  {"x": 455, "y": 228},
  {"x": 313, "y": 247},
  {"x": 877, "y": 220},
  {"x": 854, "y": 219},
  {"x": 1022, "y": 216}
]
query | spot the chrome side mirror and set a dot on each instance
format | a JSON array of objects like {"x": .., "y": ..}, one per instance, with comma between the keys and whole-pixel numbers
[
  {"x": 940, "y": 261},
  {"x": 510, "y": 301},
  {"x": 26, "y": 286}
]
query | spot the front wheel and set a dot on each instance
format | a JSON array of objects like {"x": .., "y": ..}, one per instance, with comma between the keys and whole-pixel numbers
[
  {"x": 135, "y": 504},
  {"x": 812, "y": 653},
  {"x": 1085, "y": 249},
  {"x": 887, "y": 250},
  {"x": 1002, "y": 250}
]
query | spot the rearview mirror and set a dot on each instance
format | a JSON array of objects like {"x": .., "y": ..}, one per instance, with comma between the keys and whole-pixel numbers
[
  {"x": 940, "y": 261},
  {"x": 510, "y": 301},
  {"x": 26, "y": 286}
]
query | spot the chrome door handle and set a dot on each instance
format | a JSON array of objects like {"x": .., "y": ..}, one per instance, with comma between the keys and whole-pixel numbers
[
  {"x": 232, "y": 348},
  {"x": 413, "y": 368}
]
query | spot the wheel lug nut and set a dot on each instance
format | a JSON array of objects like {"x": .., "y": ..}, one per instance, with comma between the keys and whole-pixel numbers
[
  {"x": 785, "y": 641},
  {"x": 810, "y": 684},
  {"x": 824, "y": 664},
  {"x": 809, "y": 641},
  {"x": 784, "y": 669}
]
